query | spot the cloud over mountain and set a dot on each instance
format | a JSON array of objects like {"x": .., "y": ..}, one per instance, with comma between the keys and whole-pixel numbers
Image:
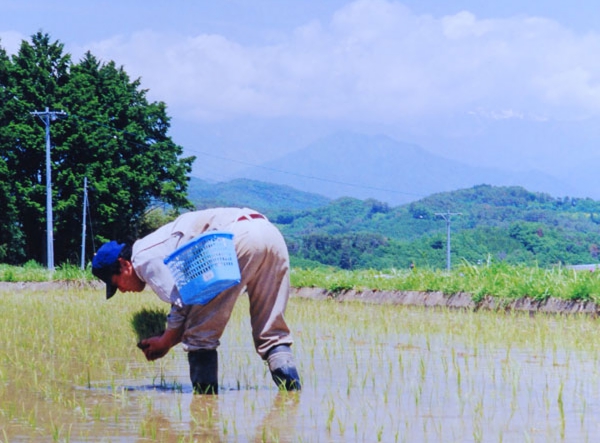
[{"x": 374, "y": 60}]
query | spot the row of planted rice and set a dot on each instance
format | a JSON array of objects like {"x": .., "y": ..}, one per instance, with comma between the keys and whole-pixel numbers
[{"x": 70, "y": 371}]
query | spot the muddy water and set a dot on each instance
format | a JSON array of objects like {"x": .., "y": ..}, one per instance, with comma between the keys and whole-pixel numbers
[{"x": 370, "y": 373}]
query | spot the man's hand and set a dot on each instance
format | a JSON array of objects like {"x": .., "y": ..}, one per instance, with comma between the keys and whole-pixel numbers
[
  {"x": 154, "y": 348},
  {"x": 157, "y": 347}
]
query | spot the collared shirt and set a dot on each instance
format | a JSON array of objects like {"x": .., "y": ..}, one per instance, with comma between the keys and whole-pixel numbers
[{"x": 150, "y": 251}]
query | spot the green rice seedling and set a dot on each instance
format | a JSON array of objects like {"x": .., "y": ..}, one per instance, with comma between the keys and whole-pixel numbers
[
  {"x": 561, "y": 409},
  {"x": 148, "y": 322},
  {"x": 389, "y": 373}
]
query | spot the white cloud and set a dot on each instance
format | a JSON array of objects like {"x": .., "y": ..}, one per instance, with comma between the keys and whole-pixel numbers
[
  {"x": 376, "y": 60},
  {"x": 503, "y": 114}
]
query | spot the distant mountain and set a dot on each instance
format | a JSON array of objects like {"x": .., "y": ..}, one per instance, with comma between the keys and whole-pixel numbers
[
  {"x": 363, "y": 166},
  {"x": 265, "y": 197}
]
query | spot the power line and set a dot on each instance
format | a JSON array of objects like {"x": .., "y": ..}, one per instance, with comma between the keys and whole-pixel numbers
[
  {"x": 295, "y": 174},
  {"x": 312, "y": 177}
]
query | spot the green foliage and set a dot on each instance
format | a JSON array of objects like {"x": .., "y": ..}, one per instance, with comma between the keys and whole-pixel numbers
[
  {"x": 343, "y": 251},
  {"x": 154, "y": 219},
  {"x": 29, "y": 272},
  {"x": 276, "y": 200},
  {"x": 328, "y": 278},
  {"x": 33, "y": 271},
  {"x": 112, "y": 135},
  {"x": 584, "y": 286},
  {"x": 303, "y": 263},
  {"x": 69, "y": 272},
  {"x": 496, "y": 225},
  {"x": 502, "y": 281}
]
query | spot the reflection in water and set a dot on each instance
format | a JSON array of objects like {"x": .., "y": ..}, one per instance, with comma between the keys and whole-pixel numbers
[
  {"x": 206, "y": 423},
  {"x": 205, "y": 420},
  {"x": 279, "y": 424},
  {"x": 371, "y": 373}
]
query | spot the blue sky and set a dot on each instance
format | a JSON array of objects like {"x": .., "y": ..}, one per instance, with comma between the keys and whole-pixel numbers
[{"x": 507, "y": 84}]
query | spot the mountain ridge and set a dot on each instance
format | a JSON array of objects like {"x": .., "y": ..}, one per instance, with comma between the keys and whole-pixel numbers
[
  {"x": 377, "y": 166},
  {"x": 505, "y": 224},
  {"x": 262, "y": 196}
]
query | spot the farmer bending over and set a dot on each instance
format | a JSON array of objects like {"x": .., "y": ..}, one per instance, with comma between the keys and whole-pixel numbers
[{"x": 264, "y": 266}]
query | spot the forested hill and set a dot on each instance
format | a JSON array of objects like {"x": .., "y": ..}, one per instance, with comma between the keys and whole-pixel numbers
[
  {"x": 486, "y": 224},
  {"x": 264, "y": 197}
]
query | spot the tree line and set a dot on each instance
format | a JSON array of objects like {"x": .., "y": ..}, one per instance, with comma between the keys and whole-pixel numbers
[
  {"x": 496, "y": 224},
  {"x": 110, "y": 134}
]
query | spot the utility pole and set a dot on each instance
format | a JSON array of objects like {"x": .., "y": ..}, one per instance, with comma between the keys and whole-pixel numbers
[
  {"x": 447, "y": 216},
  {"x": 85, "y": 203},
  {"x": 47, "y": 116}
]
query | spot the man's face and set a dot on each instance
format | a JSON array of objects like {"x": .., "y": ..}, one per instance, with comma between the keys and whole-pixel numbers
[{"x": 127, "y": 280}]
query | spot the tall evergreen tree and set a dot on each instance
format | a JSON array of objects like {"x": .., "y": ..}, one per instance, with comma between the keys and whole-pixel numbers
[
  {"x": 119, "y": 142},
  {"x": 11, "y": 237},
  {"x": 35, "y": 76},
  {"x": 112, "y": 135}
]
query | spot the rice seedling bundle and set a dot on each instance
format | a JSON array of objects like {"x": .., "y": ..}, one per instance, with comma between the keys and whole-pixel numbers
[{"x": 148, "y": 322}]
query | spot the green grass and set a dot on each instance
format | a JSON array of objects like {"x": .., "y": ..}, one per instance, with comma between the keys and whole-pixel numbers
[
  {"x": 501, "y": 280},
  {"x": 35, "y": 272},
  {"x": 504, "y": 281}
]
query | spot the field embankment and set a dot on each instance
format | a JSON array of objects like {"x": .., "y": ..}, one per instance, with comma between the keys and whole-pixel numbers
[
  {"x": 457, "y": 301},
  {"x": 434, "y": 299}
]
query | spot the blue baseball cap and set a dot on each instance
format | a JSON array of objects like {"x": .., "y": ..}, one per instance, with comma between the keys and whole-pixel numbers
[{"x": 105, "y": 264}]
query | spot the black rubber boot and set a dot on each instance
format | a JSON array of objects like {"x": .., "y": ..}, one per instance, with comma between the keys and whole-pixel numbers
[
  {"x": 204, "y": 371},
  {"x": 283, "y": 369}
]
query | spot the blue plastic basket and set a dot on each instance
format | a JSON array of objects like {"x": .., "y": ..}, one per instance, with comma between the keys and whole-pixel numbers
[{"x": 204, "y": 267}]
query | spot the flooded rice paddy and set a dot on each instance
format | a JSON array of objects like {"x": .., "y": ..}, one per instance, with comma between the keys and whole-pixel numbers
[{"x": 70, "y": 372}]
